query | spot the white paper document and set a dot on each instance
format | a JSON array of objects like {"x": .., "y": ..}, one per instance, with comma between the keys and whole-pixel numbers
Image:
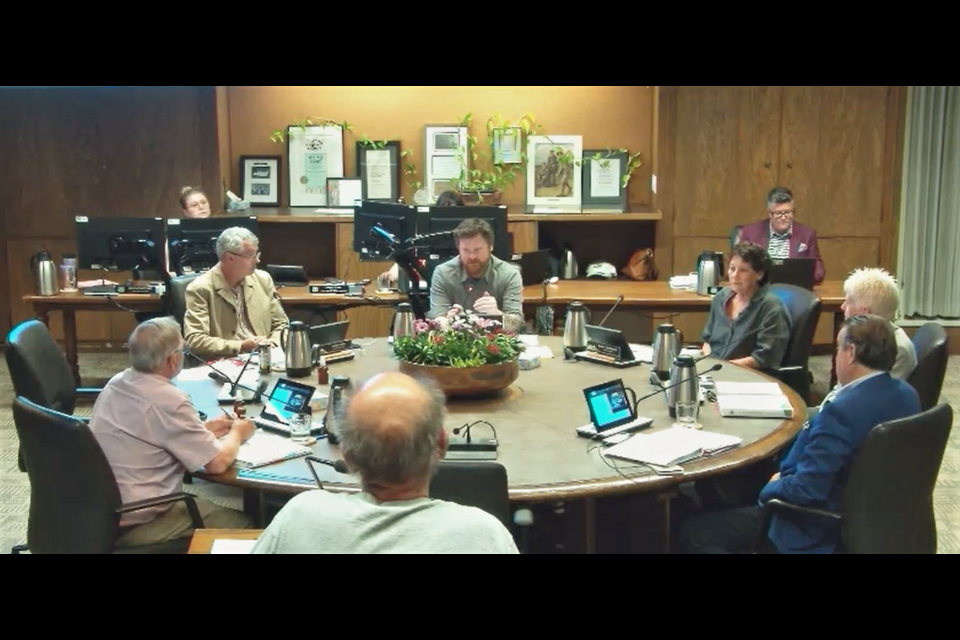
[
  {"x": 672, "y": 446},
  {"x": 748, "y": 388},
  {"x": 232, "y": 547}
]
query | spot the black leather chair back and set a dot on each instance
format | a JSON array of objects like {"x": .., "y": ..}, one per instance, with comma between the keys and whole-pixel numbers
[
  {"x": 474, "y": 484},
  {"x": 177, "y": 297},
  {"x": 931, "y": 344},
  {"x": 39, "y": 369},
  {"x": 73, "y": 493},
  {"x": 887, "y": 505},
  {"x": 804, "y": 307}
]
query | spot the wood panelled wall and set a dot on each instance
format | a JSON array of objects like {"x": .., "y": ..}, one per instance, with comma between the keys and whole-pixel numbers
[
  {"x": 98, "y": 151},
  {"x": 839, "y": 149}
]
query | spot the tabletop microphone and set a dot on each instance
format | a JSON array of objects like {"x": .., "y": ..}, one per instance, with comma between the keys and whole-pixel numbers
[
  {"x": 663, "y": 389},
  {"x": 338, "y": 465},
  {"x": 619, "y": 300},
  {"x": 224, "y": 378}
]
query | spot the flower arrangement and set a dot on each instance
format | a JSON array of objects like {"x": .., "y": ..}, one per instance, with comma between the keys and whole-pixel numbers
[{"x": 459, "y": 339}]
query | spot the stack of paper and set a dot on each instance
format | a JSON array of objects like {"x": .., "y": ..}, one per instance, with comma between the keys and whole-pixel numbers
[
  {"x": 672, "y": 446},
  {"x": 266, "y": 448},
  {"x": 752, "y": 400}
]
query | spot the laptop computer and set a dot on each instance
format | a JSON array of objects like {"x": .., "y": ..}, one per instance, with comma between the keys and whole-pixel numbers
[
  {"x": 799, "y": 272},
  {"x": 611, "y": 412},
  {"x": 607, "y": 346}
]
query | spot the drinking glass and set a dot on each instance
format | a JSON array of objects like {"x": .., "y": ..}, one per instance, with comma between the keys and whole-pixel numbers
[
  {"x": 300, "y": 424},
  {"x": 687, "y": 411}
]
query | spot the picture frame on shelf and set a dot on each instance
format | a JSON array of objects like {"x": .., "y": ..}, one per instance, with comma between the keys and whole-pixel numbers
[
  {"x": 507, "y": 145},
  {"x": 344, "y": 193},
  {"x": 260, "y": 180},
  {"x": 314, "y": 154},
  {"x": 378, "y": 166},
  {"x": 445, "y": 159},
  {"x": 554, "y": 174},
  {"x": 604, "y": 173}
]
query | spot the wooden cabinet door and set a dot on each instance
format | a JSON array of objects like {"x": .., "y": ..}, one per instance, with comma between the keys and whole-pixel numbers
[
  {"x": 726, "y": 157},
  {"x": 832, "y": 157}
]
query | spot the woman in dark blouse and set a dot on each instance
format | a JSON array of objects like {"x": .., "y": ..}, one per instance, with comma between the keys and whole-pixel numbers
[{"x": 747, "y": 325}]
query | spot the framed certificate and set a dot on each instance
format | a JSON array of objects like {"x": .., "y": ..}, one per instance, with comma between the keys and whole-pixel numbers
[
  {"x": 445, "y": 158},
  {"x": 378, "y": 166},
  {"x": 315, "y": 153},
  {"x": 260, "y": 180},
  {"x": 344, "y": 192},
  {"x": 604, "y": 180}
]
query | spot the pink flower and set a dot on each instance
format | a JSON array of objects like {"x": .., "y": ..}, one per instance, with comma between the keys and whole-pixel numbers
[{"x": 420, "y": 326}]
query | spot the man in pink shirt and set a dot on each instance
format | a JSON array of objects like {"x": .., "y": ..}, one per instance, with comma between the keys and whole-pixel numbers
[{"x": 151, "y": 434}]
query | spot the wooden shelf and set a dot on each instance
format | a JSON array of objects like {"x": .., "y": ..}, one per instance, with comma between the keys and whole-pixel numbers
[{"x": 302, "y": 215}]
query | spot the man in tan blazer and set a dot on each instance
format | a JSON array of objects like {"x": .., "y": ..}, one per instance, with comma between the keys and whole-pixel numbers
[{"x": 234, "y": 306}]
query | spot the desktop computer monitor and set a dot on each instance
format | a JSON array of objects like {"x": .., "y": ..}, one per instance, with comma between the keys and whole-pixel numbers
[
  {"x": 439, "y": 219},
  {"x": 400, "y": 220},
  {"x": 122, "y": 244},
  {"x": 192, "y": 242}
]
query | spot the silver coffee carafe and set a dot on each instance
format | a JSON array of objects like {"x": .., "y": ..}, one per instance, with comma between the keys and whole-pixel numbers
[
  {"x": 403, "y": 321},
  {"x": 666, "y": 346},
  {"x": 684, "y": 369},
  {"x": 575, "y": 327},
  {"x": 44, "y": 271},
  {"x": 301, "y": 356}
]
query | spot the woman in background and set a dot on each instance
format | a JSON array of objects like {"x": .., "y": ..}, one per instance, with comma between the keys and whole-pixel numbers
[
  {"x": 747, "y": 325},
  {"x": 194, "y": 203}
]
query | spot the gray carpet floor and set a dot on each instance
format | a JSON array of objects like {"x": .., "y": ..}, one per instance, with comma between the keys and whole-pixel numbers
[{"x": 15, "y": 487}]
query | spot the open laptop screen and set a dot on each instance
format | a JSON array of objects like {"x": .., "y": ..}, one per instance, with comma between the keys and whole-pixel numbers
[{"x": 609, "y": 405}]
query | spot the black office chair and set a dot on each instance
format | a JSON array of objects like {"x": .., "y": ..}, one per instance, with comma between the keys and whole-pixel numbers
[
  {"x": 804, "y": 308},
  {"x": 75, "y": 503},
  {"x": 177, "y": 296},
  {"x": 931, "y": 344},
  {"x": 887, "y": 505},
  {"x": 40, "y": 372},
  {"x": 482, "y": 485}
]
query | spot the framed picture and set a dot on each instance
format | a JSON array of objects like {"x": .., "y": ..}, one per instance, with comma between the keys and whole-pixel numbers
[
  {"x": 554, "y": 172},
  {"x": 344, "y": 192},
  {"x": 314, "y": 153},
  {"x": 260, "y": 180},
  {"x": 507, "y": 145},
  {"x": 603, "y": 176},
  {"x": 378, "y": 165},
  {"x": 445, "y": 158}
]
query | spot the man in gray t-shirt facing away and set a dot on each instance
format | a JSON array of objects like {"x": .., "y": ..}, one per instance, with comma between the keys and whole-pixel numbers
[{"x": 392, "y": 436}]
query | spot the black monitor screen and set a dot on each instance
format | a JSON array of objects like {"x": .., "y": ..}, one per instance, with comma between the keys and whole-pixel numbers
[
  {"x": 120, "y": 244},
  {"x": 193, "y": 241},
  {"x": 439, "y": 219},
  {"x": 398, "y": 220}
]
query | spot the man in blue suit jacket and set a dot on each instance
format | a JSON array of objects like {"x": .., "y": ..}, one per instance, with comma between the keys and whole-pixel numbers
[{"x": 815, "y": 472}]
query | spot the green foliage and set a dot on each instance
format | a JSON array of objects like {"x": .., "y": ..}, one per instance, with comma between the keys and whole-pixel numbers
[{"x": 461, "y": 339}]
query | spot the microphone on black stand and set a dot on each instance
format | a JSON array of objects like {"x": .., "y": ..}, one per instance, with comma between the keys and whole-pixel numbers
[
  {"x": 619, "y": 300},
  {"x": 663, "y": 389},
  {"x": 338, "y": 465},
  {"x": 234, "y": 385}
]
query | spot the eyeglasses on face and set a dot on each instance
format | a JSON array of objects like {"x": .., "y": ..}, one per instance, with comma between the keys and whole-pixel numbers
[
  {"x": 783, "y": 215},
  {"x": 255, "y": 256}
]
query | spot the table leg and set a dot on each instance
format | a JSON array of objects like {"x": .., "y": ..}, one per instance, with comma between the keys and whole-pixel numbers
[
  {"x": 70, "y": 342},
  {"x": 838, "y": 318}
]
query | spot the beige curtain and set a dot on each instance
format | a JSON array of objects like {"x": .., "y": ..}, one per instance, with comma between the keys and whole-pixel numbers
[{"x": 929, "y": 251}]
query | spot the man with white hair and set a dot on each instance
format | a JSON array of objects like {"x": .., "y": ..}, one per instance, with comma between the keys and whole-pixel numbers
[
  {"x": 234, "y": 306},
  {"x": 151, "y": 434},
  {"x": 391, "y": 434},
  {"x": 872, "y": 291}
]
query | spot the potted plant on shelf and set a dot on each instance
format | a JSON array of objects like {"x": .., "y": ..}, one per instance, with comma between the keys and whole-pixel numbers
[
  {"x": 491, "y": 172},
  {"x": 465, "y": 354}
]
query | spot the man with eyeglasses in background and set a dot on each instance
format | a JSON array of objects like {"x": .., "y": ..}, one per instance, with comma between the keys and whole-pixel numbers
[
  {"x": 781, "y": 235},
  {"x": 233, "y": 307}
]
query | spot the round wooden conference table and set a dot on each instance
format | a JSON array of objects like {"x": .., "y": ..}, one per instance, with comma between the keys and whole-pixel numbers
[{"x": 535, "y": 421}]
